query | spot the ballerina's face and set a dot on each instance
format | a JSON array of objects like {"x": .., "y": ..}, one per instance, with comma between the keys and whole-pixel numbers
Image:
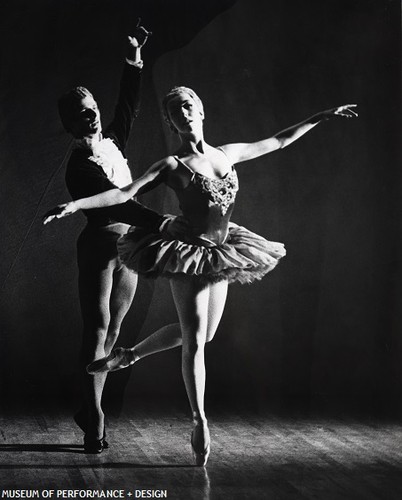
[
  {"x": 184, "y": 113},
  {"x": 85, "y": 120}
]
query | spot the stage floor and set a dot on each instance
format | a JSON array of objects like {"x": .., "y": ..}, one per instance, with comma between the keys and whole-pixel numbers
[{"x": 255, "y": 455}]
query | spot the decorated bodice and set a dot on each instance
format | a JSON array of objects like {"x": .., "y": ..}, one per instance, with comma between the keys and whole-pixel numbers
[
  {"x": 221, "y": 192},
  {"x": 208, "y": 204}
]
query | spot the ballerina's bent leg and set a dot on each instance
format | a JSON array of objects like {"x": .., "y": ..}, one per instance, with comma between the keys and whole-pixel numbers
[{"x": 167, "y": 337}]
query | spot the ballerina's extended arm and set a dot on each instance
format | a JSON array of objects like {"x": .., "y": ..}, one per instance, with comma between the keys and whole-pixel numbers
[
  {"x": 239, "y": 152},
  {"x": 153, "y": 177}
]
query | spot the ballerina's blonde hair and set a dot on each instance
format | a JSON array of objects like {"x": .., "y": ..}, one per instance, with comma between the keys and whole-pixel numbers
[{"x": 174, "y": 92}]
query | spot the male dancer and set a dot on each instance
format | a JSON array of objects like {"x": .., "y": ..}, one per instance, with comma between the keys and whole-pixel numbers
[{"x": 106, "y": 288}]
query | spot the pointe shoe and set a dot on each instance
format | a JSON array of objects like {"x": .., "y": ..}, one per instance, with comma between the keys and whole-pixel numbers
[
  {"x": 201, "y": 444},
  {"x": 119, "y": 358},
  {"x": 81, "y": 419}
]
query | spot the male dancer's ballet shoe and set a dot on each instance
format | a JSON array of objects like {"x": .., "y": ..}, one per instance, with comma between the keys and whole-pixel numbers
[
  {"x": 105, "y": 443},
  {"x": 200, "y": 444},
  {"x": 81, "y": 419},
  {"x": 119, "y": 358},
  {"x": 93, "y": 445}
]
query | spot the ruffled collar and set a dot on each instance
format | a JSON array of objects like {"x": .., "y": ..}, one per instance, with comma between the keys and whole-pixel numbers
[{"x": 107, "y": 155}]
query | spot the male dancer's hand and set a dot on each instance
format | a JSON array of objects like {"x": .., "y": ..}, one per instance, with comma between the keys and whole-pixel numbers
[
  {"x": 140, "y": 36},
  {"x": 135, "y": 42}
]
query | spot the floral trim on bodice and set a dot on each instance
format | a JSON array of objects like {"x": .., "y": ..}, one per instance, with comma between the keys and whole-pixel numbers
[{"x": 221, "y": 192}]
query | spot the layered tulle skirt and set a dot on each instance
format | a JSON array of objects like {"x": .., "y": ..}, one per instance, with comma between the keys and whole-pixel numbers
[{"x": 243, "y": 257}]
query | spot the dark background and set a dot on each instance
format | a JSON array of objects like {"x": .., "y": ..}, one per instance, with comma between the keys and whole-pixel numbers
[{"x": 324, "y": 327}]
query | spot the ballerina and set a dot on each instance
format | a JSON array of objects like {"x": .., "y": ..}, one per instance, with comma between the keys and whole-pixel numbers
[{"x": 211, "y": 253}]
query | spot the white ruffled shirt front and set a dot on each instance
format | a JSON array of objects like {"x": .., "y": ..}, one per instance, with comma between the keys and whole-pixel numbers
[{"x": 108, "y": 156}]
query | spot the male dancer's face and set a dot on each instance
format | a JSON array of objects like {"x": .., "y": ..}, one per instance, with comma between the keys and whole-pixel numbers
[{"x": 85, "y": 120}]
